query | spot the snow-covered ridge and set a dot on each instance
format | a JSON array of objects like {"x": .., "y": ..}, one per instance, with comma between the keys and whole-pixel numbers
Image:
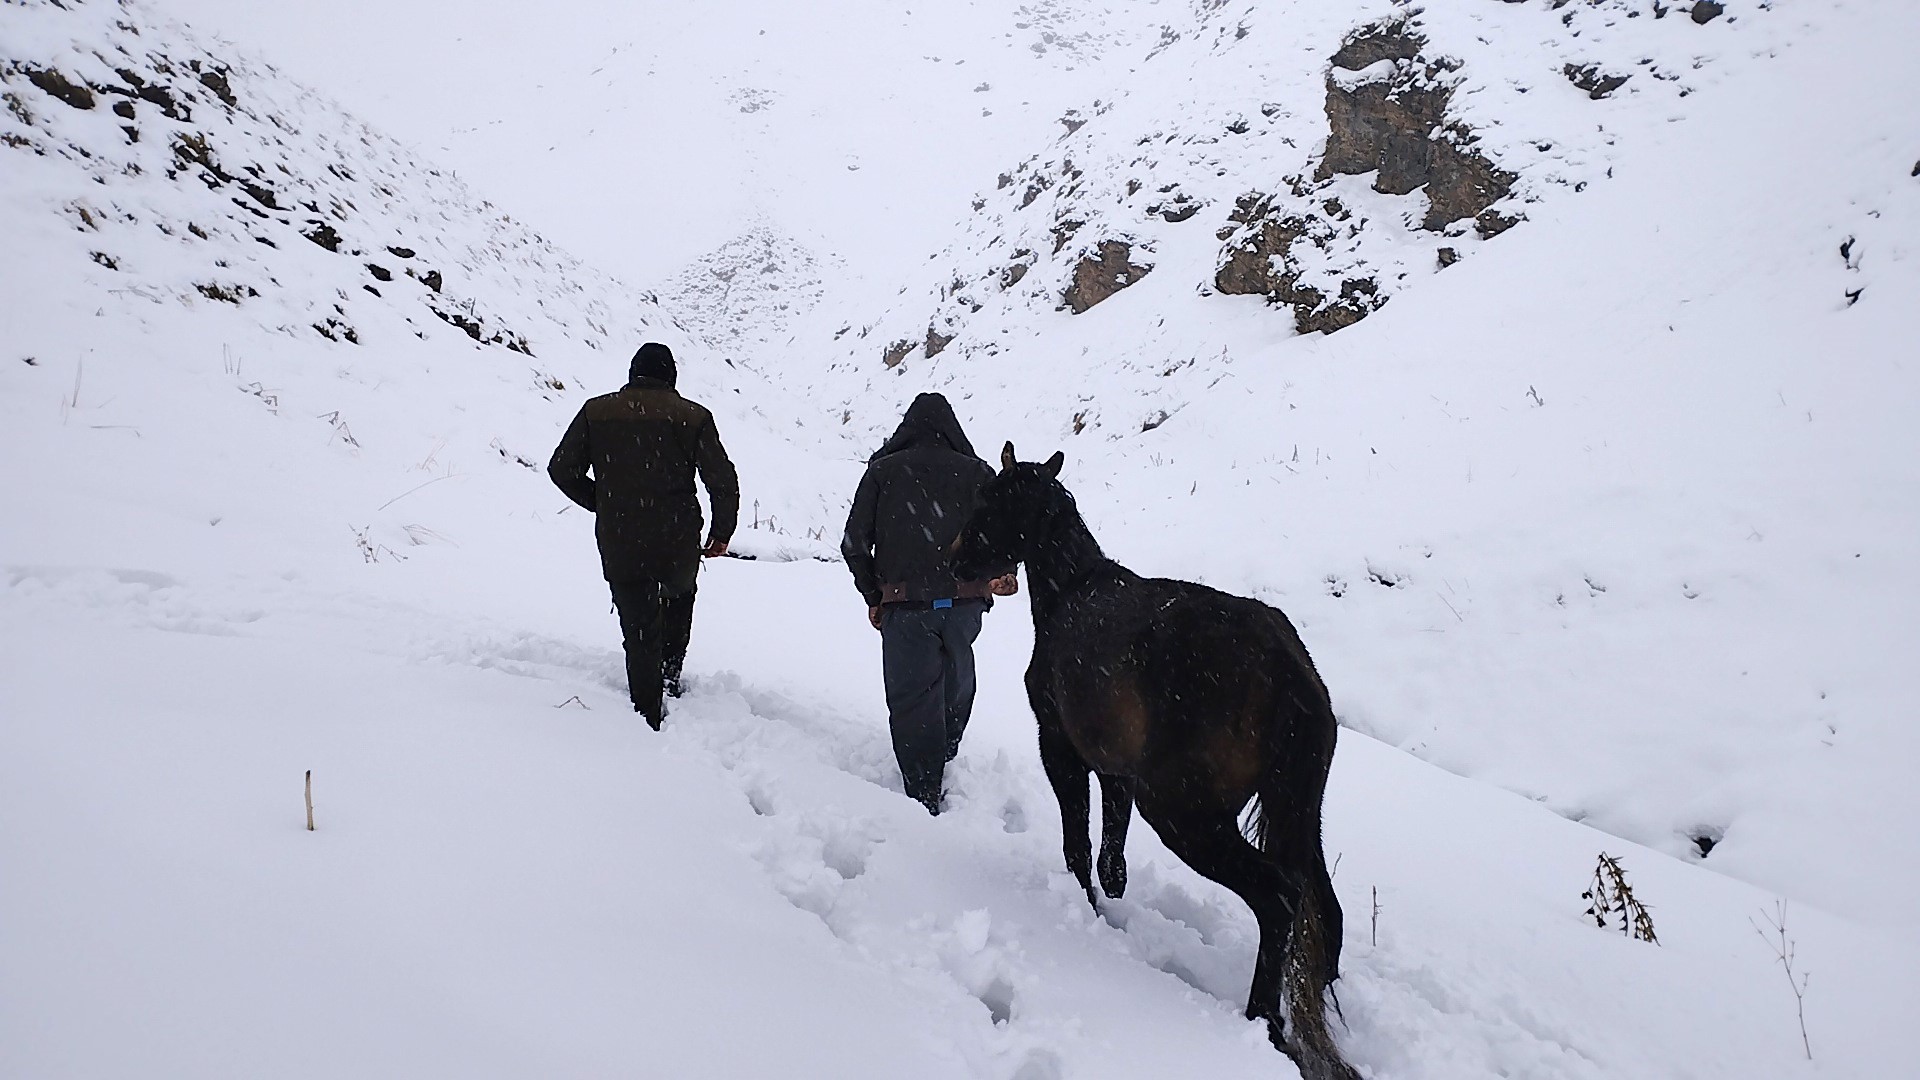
[
  {"x": 1208, "y": 166},
  {"x": 269, "y": 197}
]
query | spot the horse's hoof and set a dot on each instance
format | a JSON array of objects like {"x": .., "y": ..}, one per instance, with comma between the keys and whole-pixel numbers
[{"x": 1113, "y": 871}]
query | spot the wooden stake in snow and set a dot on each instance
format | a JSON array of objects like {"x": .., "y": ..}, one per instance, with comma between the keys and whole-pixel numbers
[{"x": 309, "y": 800}]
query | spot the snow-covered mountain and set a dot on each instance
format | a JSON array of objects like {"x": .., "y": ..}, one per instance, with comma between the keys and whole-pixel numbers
[
  {"x": 1458, "y": 117},
  {"x": 1509, "y": 503},
  {"x": 1547, "y": 362}
]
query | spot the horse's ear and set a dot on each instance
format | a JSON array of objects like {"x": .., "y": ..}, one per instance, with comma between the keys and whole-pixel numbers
[
  {"x": 1052, "y": 468},
  {"x": 1006, "y": 456}
]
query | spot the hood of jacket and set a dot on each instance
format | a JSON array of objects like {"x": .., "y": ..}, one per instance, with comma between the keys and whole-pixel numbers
[{"x": 929, "y": 419}]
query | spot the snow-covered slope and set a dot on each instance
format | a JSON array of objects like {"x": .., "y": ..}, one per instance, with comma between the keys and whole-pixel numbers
[
  {"x": 1610, "y": 521},
  {"x": 1361, "y": 148},
  {"x": 193, "y": 223},
  {"x": 1589, "y": 511},
  {"x": 507, "y": 881},
  {"x": 221, "y": 180}
]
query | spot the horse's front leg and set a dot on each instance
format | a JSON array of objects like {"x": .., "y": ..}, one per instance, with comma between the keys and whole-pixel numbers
[
  {"x": 1067, "y": 772},
  {"x": 1116, "y": 813}
]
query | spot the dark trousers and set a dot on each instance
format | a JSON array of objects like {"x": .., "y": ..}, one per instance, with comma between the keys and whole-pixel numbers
[
  {"x": 655, "y": 626},
  {"x": 926, "y": 656}
]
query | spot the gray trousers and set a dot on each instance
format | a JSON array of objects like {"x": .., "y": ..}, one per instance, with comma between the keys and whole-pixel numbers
[{"x": 926, "y": 656}]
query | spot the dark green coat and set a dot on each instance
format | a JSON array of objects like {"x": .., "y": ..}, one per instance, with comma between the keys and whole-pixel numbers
[{"x": 642, "y": 446}]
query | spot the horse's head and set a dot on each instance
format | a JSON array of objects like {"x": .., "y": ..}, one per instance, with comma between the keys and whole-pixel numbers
[{"x": 1012, "y": 513}]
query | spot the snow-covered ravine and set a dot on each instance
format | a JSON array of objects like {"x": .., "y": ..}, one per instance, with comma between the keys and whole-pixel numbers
[
  {"x": 511, "y": 876},
  {"x": 1603, "y": 539},
  {"x": 649, "y": 133}
]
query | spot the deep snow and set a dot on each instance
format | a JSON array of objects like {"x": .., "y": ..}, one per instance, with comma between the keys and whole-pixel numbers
[
  {"x": 1666, "y": 594},
  {"x": 508, "y": 883}
]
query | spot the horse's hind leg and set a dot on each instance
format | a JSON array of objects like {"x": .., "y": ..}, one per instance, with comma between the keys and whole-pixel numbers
[
  {"x": 1067, "y": 771},
  {"x": 1209, "y": 840},
  {"x": 1116, "y": 813}
]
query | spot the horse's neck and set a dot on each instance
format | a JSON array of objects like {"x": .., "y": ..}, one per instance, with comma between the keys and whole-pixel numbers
[{"x": 1061, "y": 563}]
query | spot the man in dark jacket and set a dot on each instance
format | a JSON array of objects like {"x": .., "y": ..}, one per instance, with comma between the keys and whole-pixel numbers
[
  {"x": 642, "y": 445},
  {"x": 909, "y": 508}
]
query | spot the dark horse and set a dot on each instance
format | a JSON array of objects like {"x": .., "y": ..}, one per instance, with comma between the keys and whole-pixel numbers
[{"x": 1194, "y": 703}]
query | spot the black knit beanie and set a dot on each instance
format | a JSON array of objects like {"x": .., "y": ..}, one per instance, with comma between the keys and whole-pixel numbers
[{"x": 653, "y": 361}]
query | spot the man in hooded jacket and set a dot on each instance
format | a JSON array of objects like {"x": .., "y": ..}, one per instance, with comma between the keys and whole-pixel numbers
[
  {"x": 643, "y": 445},
  {"x": 908, "y": 510}
]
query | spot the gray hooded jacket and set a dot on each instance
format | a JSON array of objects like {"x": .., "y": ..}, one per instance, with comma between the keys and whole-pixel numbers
[{"x": 918, "y": 490}]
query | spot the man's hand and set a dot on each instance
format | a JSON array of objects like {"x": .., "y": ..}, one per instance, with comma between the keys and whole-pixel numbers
[
  {"x": 1004, "y": 585},
  {"x": 714, "y": 549},
  {"x": 875, "y": 613}
]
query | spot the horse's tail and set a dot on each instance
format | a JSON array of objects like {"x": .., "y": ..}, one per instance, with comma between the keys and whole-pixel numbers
[{"x": 1289, "y": 833}]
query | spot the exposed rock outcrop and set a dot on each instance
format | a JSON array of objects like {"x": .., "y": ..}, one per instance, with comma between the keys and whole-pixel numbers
[
  {"x": 470, "y": 322},
  {"x": 1590, "y": 78},
  {"x": 323, "y": 235},
  {"x": 935, "y": 343},
  {"x": 1266, "y": 256},
  {"x": 1387, "y": 114},
  {"x": 1016, "y": 270},
  {"x": 1177, "y": 207},
  {"x": 60, "y": 87},
  {"x": 1098, "y": 275},
  {"x": 932, "y": 346},
  {"x": 1464, "y": 184}
]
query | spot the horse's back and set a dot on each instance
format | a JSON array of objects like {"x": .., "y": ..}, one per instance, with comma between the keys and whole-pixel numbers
[
  {"x": 1200, "y": 627},
  {"x": 1157, "y": 673}
]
